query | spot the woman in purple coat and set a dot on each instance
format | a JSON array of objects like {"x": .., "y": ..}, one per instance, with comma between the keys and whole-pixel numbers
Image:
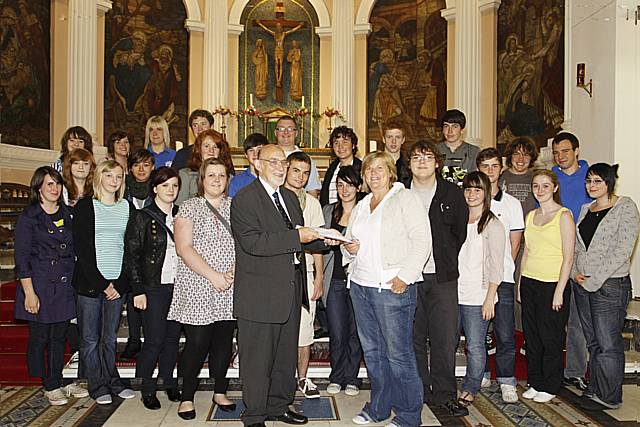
[{"x": 44, "y": 259}]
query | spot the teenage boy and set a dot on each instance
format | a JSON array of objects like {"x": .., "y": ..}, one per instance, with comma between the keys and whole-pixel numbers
[
  {"x": 137, "y": 192},
  {"x": 344, "y": 143},
  {"x": 252, "y": 145},
  {"x": 286, "y": 132},
  {"x": 199, "y": 121},
  {"x": 521, "y": 154},
  {"x": 509, "y": 211},
  {"x": 571, "y": 174},
  {"x": 436, "y": 321},
  {"x": 393, "y": 139},
  {"x": 297, "y": 177},
  {"x": 459, "y": 157}
]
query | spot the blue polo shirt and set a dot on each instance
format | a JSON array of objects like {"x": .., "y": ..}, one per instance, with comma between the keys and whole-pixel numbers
[
  {"x": 573, "y": 190},
  {"x": 163, "y": 158},
  {"x": 238, "y": 182}
]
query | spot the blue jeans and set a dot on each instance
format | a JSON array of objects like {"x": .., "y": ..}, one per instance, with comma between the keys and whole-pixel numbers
[
  {"x": 345, "y": 351},
  {"x": 385, "y": 327},
  {"x": 504, "y": 326},
  {"x": 475, "y": 331},
  {"x": 576, "y": 355},
  {"x": 98, "y": 320},
  {"x": 602, "y": 314}
]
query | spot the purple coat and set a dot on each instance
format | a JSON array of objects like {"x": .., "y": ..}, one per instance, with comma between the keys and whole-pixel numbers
[{"x": 45, "y": 254}]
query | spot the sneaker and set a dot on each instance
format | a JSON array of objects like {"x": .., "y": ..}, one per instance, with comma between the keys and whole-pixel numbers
[
  {"x": 75, "y": 390},
  {"x": 308, "y": 388},
  {"x": 127, "y": 393},
  {"x": 105, "y": 399},
  {"x": 486, "y": 382},
  {"x": 578, "y": 382},
  {"x": 455, "y": 409},
  {"x": 543, "y": 397},
  {"x": 334, "y": 388},
  {"x": 392, "y": 424},
  {"x": 509, "y": 393},
  {"x": 530, "y": 393},
  {"x": 56, "y": 397},
  {"x": 351, "y": 390},
  {"x": 362, "y": 418},
  {"x": 490, "y": 344}
]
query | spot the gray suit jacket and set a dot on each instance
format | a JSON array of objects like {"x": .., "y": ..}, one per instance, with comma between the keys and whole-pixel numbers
[{"x": 265, "y": 273}]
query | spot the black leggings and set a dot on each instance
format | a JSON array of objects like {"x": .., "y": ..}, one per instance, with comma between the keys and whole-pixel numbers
[{"x": 216, "y": 339}]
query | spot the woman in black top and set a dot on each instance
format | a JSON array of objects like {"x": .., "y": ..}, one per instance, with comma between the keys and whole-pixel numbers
[
  {"x": 344, "y": 345},
  {"x": 152, "y": 269}
]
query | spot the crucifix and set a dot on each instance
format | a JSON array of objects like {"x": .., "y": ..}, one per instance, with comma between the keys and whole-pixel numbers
[{"x": 278, "y": 29}]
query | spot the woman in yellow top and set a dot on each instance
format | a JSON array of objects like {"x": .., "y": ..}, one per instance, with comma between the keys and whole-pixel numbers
[{"x": 546, "y": 264}]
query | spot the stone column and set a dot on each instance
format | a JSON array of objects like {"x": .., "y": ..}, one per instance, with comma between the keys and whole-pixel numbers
[
  {"x": 489, "y": 71},
  {"x": 343, "y": 59},
  {"x": 82, "y": 64},
  {"x": 216, "y": 56}
]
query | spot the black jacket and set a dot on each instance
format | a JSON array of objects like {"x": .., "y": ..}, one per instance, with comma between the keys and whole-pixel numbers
[
  {"x": 87, "y": 279},
  {"x": 146, "y": 247},
  {"x": 448, "y": 215},
  {"x": 324, "y": 192}
]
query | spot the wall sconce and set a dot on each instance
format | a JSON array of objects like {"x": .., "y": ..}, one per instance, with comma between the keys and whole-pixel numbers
[{"x": 580, "y": 77}]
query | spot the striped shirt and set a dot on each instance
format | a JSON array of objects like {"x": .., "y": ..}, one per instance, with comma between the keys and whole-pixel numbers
[{"x": 111, "y": 224}]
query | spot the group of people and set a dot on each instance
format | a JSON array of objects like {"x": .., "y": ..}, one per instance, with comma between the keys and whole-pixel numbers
[{"x": 407, "y": 249}]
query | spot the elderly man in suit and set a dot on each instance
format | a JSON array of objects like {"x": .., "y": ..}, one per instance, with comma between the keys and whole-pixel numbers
[{"x": 270, "y": 288}]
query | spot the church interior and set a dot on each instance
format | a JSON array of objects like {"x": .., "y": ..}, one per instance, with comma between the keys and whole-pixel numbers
[{"x": 514, "y": 67}]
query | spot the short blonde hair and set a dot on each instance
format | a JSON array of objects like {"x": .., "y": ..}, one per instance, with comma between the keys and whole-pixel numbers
[
  {"x": 165, "y": 130},
  {"x": 388, "y": 162},
  {"x": 106, "y": 166}
]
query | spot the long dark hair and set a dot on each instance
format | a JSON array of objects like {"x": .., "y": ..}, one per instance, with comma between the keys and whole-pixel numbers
[
  {"x": 38, "y": 179},
  {"x": 350, "y": 175},
  {"x": 79, "y": 154},
  {"x": 479, "y": 180},
  {"x": 195, "y": 162}
]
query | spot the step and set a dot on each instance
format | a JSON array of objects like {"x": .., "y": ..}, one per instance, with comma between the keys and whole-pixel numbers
[
  {"x": 6, "y": 311},
  {"x": 8, "y": 290},
  {"x": 15, "y": 337}
]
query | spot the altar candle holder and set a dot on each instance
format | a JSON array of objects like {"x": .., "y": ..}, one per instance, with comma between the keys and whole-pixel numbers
[
  {"x": 302, "y": 113},
  {"x": 252, "y": 112},
  {"x": 330, "y": 113},
  {"x": 224, "y": 112}
]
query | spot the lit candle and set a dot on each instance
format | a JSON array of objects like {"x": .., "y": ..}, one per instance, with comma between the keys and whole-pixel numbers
[
  {"x": 250, "y": 100},
  {"x": 302, "y": 101}
]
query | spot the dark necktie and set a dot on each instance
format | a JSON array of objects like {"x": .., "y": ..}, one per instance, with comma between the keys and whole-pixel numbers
[{"x": 283, "y": 213}]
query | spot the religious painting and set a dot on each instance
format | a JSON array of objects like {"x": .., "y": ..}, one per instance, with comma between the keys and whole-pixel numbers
[
  {"x": 25, "y": 72},
  {"x": 146, "y": 67},
  {"x": 407, "y": 60},
  {"x": 279, "y": 66},
  {"x": 530, "y": 69}
]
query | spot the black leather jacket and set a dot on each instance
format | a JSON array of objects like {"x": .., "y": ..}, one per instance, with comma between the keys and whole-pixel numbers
[{"x": 146, "y": 248}]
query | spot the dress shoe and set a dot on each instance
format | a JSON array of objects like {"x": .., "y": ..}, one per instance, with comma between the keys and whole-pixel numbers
[
  {"x": 150, "y": 401},
  {"x": 173, "y": 394},
  {"x": 455, "y": 409},
  {"x": 187, "y": 415},
  {"x": 257, "y": 425},
  {"x": 131, "y": 350},
  {"x": 227, "y": 408},
  {"x": 289, "y": 417}
]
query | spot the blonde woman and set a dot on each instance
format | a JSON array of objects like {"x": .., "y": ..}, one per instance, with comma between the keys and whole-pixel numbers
[
  {"x": 157, "y": 140},
  {"x": 99, "y": 227}
]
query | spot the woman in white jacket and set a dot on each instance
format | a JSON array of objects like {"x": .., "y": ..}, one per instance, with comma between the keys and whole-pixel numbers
[{"x": 391, "y": 241}]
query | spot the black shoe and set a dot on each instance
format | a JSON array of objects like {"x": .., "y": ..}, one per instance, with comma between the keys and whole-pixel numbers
[
  {"x": 187, "y": 415},
  {"x": 289, "y": 417},
  {"x": 150, "y": 401},
  {"x": 227, "y": 408},
  {"x": 578, "y": 382},
  {"x": 257, "y": 425},
  {"x": 455, "y": 409},
  {"x": 320, "y": 333},
  {"x": 173, "y": 394},
  {"x": 589, "y": 404},
  {"x": 131, "y": 350}
]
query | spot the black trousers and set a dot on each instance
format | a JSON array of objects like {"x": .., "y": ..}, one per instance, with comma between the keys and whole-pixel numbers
[
  {"x": 544, "y": 331},
  {"x": 51, "y": 337},
  {"x": 214, "y": 339},
  {"x": 134, "y": 319},
  {"x": 160, "y": 342},
  {"x": 435, "y": 337},
  {"x": 268, "y": 358}
]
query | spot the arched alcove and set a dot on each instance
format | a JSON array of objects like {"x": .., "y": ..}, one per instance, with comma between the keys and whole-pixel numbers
[{"x": 238, "y": 6}]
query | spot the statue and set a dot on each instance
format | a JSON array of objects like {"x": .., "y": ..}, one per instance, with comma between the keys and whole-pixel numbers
[
  {"x": 278, "y": 55},
  {"x": 295, "y": 69},
  {"x": 260, "y": 61}
]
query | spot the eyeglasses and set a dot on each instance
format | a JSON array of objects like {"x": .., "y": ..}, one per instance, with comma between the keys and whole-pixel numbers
[
  {"x": 286, "y": 129},
  {"x": 426, "y": 159},
  {"x": 275, "y": 163},
  {"x": 593, "y": 181}
]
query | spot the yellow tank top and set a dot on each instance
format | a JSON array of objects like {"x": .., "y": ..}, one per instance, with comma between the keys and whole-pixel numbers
[{"x": 544, "y": 249}]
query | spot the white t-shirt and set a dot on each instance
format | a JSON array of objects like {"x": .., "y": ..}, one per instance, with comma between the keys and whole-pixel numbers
[
  {"x": 427, "y": 197},
  {"x": 170, "y": 264},
  {"x": 470, "y": 259},
  {"x": 509, "y": 211},
  {"x": 313, "y": 217}
]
